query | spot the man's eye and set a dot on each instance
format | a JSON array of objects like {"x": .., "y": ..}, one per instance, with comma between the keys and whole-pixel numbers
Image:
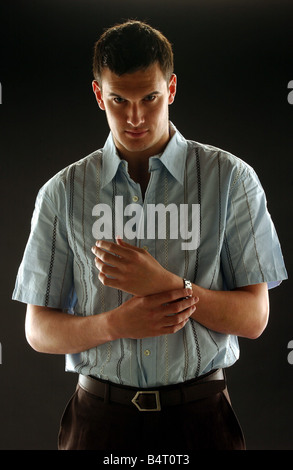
[
  {"x": 119, "y": 100},
  {"x": 150, "y": 98}
]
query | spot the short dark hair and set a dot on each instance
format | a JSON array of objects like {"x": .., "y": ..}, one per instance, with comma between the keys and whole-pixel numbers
[{"x": 132, "y": 46}]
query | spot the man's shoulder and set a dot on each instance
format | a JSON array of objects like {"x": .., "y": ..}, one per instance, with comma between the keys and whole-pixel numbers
[
  {"x": 210, "y": 155},
  {"x": 76, "y": 166},
  {"x": 212, "y": 151},
  {"x": 79, "y": 165},
  {"x": 56, "y": 185}
]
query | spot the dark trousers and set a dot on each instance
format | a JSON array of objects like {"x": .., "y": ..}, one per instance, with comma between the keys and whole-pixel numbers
[{"x": 92, "y": 423}]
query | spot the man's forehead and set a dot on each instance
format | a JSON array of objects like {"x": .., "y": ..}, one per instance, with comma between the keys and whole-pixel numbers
[{"x": 147, "y": 80}]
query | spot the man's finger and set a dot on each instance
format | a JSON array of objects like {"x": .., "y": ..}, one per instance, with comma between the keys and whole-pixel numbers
[
  {"x": 105, "y": 256},
  {"x": 114, "y": 247},
  {"x": 171, "y": 295},
  {"x": 177, "y": 308}
]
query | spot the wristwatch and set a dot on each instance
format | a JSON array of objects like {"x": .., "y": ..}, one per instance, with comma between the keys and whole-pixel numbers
[{"x": 187, "y": 284}]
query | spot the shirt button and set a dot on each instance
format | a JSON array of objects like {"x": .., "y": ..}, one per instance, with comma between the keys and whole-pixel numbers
[
  {"x": 135, "y": 198},
  {"x": 147, "y": 352}
]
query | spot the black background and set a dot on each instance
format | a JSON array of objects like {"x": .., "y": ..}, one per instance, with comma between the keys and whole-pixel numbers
[{"x": 233, "y": 60}]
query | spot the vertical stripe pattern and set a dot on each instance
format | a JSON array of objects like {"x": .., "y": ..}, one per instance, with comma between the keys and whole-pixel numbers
[{"x": 50, "y": 271}]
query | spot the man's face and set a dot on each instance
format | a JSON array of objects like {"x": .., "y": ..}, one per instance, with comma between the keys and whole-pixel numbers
[{"x": 136, "y": 106}]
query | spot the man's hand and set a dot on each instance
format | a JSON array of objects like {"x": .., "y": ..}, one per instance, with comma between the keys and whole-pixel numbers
[
  {"x": 153, "y": 315},
  {"x": 132, "y": 269}
]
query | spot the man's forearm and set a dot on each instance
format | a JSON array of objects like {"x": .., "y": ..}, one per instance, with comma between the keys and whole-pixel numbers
[
  {"x": 242, "y": 312},
  {"x": 55, "y": 332},
  {"x": 52, "y": 331}
]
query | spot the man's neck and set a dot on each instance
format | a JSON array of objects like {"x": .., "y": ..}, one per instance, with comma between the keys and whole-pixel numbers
[
  {"x": 138, "y": 163},
  {"x": 138, "y": 171}
]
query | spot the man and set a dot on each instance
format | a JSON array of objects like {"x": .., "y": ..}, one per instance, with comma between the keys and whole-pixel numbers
[{"x": 150, "y": 325}]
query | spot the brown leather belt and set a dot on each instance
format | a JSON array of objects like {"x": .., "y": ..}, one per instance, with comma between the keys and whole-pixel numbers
[{"x": 151, "y": 399}]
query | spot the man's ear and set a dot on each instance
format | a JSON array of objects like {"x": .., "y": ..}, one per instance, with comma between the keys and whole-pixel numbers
[
  {"x": 97, "y": 89},
  {"x": 172, "y": 88}
]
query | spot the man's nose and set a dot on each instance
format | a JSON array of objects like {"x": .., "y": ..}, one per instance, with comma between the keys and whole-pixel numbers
[{"x": 135, "y": 115}]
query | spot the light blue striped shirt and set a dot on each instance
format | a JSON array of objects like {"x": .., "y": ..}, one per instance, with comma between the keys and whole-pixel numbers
[{"x": 238, "y": 246}]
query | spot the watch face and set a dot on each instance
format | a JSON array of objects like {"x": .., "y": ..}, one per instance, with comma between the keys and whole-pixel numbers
[{"x": 187, "y": 284}]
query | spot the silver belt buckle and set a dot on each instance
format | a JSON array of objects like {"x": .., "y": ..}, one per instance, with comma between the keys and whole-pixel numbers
[{"x": 157, "y": 397}]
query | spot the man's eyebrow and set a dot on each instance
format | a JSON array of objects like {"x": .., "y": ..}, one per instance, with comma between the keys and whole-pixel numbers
[
  {"x": 112, "y": 94},
  {"x": 153, "y": 93}
]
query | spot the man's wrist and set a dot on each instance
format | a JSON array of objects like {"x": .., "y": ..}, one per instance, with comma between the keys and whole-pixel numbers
[{"x": 172, "y": 281}]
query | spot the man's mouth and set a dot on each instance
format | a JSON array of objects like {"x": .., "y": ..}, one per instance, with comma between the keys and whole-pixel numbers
[{"x": 137, "y": 133}]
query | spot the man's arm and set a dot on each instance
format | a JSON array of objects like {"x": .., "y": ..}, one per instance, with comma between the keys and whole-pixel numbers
[
  {"x": 52, "y": 331},
  {"x": 242, "y": 312}
]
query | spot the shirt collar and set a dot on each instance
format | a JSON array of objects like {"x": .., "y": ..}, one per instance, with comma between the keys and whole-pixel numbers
[
  {"x": 173, "y": 157},
  {"x": 111, "y": 161}
]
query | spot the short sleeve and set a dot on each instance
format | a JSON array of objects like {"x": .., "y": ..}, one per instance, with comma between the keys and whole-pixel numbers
[
  {"x": 45, "y": 273},
  {"x": 251, "y": 250}
]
